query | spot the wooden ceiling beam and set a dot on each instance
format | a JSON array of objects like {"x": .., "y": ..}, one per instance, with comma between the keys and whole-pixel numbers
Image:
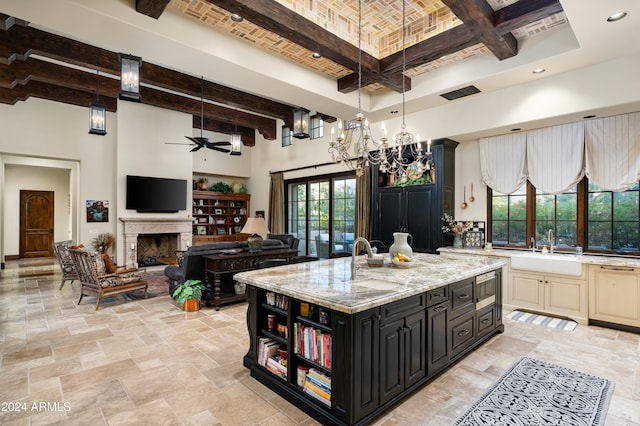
[
  {"x": 524, "y": 12},
  {"x": 286, "y": 23},
  {"x": 71, "y": 51},
  {"x": 248, "y": 134},
  {"x": 266, "y": 126},
  {"x": 55, "y": 93},
  {"x": 20, "y": 72},
  {"x": 152, "y": 8},
  {"x": 478, "y": 16},
  {"x": 392, "y": 81}
]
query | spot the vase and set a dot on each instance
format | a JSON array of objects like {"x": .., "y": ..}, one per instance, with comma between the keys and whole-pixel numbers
[
  {"x": 457, "y": 240},
  {"x": 401, "y": 244}
]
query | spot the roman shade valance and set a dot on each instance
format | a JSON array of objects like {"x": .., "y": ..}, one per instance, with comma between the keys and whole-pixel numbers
[
  {"x": 503, "y": 162},
  {"x": 555, "y": 158},
  {"x": 613, "y": 151}
]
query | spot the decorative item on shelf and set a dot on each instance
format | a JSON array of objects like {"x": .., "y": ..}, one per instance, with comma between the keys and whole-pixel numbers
[
  {"x": 255, "y": 226},
  {"x": 221, "y": 187},
  {"x": 243, "y": 189},
  {"x": 457, "y": 229},
  {"x": 189, "y": 294},
  {"x": 202, "y": 183},
  {"x": 130, "y": 77},
  {"x": 356, "y": 148},
  {"x": 401, "y": 245},
  {"x": 235, "y": 186}
]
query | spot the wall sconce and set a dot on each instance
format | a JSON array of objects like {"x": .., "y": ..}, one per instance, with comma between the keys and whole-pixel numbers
[
  {"x": 236, "y": 143},
  {"x": 300, "y": 123},
  {"x": 130, "y": 77},
  {"x": 97, "y": 113}
]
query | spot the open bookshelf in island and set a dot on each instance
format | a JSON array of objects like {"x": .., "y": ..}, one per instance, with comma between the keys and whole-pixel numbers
[
  {"x": 346, "y": 353},
  {"x": 219, "y": 216}
]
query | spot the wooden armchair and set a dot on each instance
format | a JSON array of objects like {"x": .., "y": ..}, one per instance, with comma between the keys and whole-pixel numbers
[
  {"x": 61, "y": 250},
  {"x": 97, "y": 282}
]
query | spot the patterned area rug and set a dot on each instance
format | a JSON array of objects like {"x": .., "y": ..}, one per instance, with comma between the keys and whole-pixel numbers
[
  {"x": 534, "y": 392},
  {"x": 158, "y": 285},
  {"x": 551, "y": 322}
]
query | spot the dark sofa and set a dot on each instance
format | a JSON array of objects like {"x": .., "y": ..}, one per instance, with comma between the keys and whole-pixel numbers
[{"x": 192, "y": 267}]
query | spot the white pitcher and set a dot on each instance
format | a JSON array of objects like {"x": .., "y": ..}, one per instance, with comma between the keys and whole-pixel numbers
[{"x": 401, "y": 241}]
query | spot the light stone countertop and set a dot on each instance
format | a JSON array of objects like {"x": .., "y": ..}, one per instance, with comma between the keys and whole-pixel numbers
[
  {"x": 607, "y": 260},
  {"x": 327, "y": 283}
]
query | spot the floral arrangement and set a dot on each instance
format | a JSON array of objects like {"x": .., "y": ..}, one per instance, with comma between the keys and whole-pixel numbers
[{"x": 451, "y": 226}]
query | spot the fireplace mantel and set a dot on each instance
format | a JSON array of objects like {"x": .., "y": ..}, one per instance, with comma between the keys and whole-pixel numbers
[{"x": 134, "y": 226}]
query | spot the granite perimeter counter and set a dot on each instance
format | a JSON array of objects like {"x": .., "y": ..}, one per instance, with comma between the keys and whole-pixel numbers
[{"x": 344, "y": 350}]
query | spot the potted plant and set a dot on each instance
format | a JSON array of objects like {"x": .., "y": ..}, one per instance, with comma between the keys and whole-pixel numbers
[{"x": 188, "y": 294}]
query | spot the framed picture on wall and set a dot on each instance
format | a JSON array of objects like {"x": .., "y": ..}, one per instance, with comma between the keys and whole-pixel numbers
[
  {"x": 260, "y": 213},
  {"x": 97, "y": 211}
]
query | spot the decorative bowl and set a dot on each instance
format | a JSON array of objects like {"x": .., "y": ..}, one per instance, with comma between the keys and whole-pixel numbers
[{"x": 401, "y": 264}]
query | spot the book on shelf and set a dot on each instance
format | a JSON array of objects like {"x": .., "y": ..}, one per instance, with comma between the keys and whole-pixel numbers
[
  {"x": 313, "y": 344},
  {"x": 266, "y": 349},
  {"x": 275, "y": 366},
  {"x": 316, "y": 396}
]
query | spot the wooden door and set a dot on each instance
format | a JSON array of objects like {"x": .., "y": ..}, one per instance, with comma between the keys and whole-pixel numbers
[{"x": 36, "y": 223}]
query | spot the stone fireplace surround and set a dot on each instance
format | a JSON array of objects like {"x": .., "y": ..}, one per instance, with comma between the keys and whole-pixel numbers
[{"x": 178, "y": 228}]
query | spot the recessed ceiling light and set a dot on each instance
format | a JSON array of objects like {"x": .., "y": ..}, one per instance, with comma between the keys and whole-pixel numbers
[
  {"x": 589, "y": 116},
  {"x": 616, "y": 16},
  {"x": 516, "y": 129},
  {"x": 236, "y": 18},
  {"x": 394, "y": 111},
  {"x": 538, "y": 71},
  {"x": 316, "y": 55}
]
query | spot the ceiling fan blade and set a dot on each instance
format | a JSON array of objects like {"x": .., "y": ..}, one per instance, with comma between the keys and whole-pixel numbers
[
  {"x": 176, "y": 143},
  {"x": 199, "y": 141},
  {"x": 219, "y": 149},
  {"x": 220, "y": 143},
  {"x": 194, "y": 149}
]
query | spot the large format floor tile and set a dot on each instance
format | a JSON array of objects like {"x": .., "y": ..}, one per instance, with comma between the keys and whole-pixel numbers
[{"x": 147, "y": 362}]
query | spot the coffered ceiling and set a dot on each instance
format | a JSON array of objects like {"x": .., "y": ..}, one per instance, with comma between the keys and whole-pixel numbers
[{"x": 256, "y": 71}]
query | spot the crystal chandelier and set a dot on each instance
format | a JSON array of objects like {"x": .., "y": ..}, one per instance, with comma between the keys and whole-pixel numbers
[{"x": 356, "y": 148}]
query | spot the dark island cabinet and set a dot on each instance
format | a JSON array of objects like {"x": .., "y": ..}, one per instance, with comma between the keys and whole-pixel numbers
[
  {"x": 377, "y": 356},
  {"x": 416, "y": 209}
]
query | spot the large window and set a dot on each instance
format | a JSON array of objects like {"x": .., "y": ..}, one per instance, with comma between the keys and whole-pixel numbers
[
  {"x": 603, "y": 222},
  {"x": 613, "y": 220},
  {"x": 321, "y": 213},
  {"x": 317, "y": 127}
]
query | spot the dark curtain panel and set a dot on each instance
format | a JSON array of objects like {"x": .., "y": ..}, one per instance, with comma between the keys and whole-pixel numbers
[{"x": 276, "y": 204}]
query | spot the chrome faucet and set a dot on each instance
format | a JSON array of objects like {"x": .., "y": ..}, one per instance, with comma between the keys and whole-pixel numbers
[
  {"x": 551, "y": 238},
  {"x": 353, "y": 254},
  {"x": 533, "y": 244}
]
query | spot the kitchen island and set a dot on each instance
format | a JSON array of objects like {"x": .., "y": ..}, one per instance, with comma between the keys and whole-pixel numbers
[{"x": 344, "y": 350}]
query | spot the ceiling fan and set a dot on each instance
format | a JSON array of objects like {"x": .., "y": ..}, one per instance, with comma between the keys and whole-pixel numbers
[{"x": 201, "y": 141}]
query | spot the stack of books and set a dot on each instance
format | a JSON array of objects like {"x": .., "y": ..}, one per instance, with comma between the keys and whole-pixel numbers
[
  {"x": 313, "y": 344},
  {"x": 318, "y": 385},
  {"x": 266, "y": 349},
  {"x": 268, "y": 357}
]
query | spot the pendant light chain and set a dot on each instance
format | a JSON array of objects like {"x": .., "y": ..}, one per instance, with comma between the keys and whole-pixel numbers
[
  {"x": 359, "y": 53},
  {"x": 404, "y": 66}
]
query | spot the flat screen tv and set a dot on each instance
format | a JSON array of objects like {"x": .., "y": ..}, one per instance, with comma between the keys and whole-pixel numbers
[{"x": 156, "y": 195}]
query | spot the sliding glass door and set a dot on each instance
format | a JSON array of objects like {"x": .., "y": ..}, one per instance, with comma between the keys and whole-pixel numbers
[{"x": 321, "y": 213}]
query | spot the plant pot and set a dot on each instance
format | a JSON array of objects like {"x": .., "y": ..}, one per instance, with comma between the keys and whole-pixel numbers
[{"x": 191, "y": 305}]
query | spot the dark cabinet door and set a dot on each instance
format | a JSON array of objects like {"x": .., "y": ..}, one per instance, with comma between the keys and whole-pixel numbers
[
  {"x": 390, "y": 215},
  {"x": 365, "y": 364},
  {"x": 419, "y": 203},
  {"x": 403, "y": 345},
  {"x": 437, "y": 338},
  {"x": 391, "y": 360},
  {"x": 415, "y": 334}
]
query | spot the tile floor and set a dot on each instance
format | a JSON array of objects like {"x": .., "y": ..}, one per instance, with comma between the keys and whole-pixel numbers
[{"x": 147, "y": 362}]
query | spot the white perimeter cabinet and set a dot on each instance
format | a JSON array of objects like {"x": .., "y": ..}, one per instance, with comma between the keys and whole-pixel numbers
[
  {"x": 561, "y": 295},
  {"x": 614, "y": 294}
]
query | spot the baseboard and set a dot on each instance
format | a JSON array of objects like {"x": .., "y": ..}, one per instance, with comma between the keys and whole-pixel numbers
[
  {"x": 621, "y": 327},
  {"x": 12, "y": 257}
]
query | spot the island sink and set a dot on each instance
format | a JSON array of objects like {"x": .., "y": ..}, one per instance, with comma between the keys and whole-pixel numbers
[{"x": 547, "y": 263}]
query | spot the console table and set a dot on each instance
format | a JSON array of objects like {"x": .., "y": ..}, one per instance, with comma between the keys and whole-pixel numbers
[{"x": 219, "y": 264}]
